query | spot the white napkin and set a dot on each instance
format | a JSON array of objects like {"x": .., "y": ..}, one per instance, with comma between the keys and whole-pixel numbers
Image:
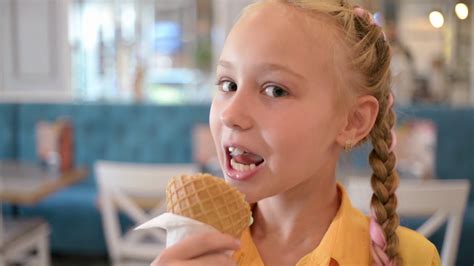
[{"x": 177, "y": 227}]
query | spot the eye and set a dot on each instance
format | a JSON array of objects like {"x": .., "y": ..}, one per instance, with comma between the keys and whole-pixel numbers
[
  {"x": 275, "y": 91},
  {"x": 227, "y": 85}
]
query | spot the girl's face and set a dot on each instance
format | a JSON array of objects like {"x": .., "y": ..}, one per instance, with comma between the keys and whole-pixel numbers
[{"x": 276, "y": 102}]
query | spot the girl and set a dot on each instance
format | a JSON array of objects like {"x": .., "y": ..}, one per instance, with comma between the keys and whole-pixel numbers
[{"x": 299, "y": 81}]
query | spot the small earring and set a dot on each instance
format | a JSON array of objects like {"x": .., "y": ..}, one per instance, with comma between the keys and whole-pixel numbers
[{"x": 348, "y": 146}]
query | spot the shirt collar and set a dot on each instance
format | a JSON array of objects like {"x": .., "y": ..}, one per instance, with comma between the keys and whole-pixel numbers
[{"x": 347, "y": 240}]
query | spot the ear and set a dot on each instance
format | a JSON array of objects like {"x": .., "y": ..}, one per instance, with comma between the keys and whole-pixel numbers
[{"x": 360, "y": 120}]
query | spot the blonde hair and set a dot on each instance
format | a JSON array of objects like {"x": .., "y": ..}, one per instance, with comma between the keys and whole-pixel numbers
[{"x": 369, "y": 58}]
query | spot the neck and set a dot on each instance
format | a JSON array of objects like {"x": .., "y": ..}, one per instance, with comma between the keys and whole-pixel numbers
[{"x": 301, "y": 215}]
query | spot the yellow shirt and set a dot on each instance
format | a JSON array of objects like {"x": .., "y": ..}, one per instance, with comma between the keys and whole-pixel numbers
[{"x": 347, "y": 242}]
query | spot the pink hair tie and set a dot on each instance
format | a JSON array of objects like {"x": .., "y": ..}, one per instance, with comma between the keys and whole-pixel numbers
[
  {"x": 378, "y": 244},
  {"x": 359, "y": 11}
]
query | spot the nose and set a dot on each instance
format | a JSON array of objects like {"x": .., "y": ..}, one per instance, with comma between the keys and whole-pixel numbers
[{"x": 237, "y": 112}]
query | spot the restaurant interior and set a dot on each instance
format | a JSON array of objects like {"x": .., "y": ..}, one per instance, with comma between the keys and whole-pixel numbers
[{"x": 97, "y": 95}]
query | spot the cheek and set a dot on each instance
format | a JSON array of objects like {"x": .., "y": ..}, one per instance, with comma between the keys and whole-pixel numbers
[{"x": 299, "y": 142}]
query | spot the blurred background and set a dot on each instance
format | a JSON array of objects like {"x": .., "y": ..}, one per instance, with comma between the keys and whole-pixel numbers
[
  {"x": 131, "y": 81},
  {"x": 158, "y": 51}
]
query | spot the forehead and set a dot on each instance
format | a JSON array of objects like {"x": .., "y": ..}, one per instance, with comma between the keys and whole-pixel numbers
[{"x": 273, "y": 32}]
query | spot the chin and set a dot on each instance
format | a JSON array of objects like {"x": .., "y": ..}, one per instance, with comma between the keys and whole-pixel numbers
[
  {"x": 250, "y": 196},
  {"x": 251, "y": 200}
]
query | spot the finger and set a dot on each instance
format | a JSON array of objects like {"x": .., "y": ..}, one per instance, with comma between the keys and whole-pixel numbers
[
  {"x": 201, "y": 244},
  {"x": 214, "y": 259},
  {"x": 220, "y": 259}
]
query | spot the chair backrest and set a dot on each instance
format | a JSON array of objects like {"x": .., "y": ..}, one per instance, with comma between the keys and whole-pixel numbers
[
  {"x": 440, "y": 200},
  {"x": 127, "y": 188}
]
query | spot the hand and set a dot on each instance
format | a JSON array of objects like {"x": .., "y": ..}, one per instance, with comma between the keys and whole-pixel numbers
[{"x": 203, "y": 249}]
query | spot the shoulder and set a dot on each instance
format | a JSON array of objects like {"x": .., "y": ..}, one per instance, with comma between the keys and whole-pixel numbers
[{"x": 415, "y": 249}]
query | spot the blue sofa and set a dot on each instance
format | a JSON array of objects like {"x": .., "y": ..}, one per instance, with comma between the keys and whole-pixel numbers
[{"x": 159, "y": 134}]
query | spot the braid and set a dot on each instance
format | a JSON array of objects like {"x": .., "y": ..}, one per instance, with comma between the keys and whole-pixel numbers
[
  {"x": 384, "y": 182},
  {"x": 375, "y": 57}
]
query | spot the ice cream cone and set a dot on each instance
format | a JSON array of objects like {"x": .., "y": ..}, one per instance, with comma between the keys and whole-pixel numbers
[{"x": 210, "y": 200}]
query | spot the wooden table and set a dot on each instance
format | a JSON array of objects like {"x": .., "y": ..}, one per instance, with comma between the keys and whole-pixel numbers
[{"x": 24, "y": 183}]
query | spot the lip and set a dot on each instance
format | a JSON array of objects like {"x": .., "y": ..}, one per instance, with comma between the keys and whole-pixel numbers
[{"x": 238, "y": 175}]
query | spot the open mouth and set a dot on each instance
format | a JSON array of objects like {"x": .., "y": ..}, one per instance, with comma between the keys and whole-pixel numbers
[{"x": 242, "y": 160}]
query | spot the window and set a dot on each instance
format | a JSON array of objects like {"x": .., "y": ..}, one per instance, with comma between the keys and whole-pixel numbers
[{"x": 143, "y": 50}]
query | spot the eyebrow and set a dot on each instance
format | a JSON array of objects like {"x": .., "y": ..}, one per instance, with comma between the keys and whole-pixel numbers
[{"x": 267, "y": 67}]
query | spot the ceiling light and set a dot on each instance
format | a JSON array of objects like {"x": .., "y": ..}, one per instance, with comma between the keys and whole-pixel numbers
[
  {"x": 436, "y": 19},
  {"x": 461, "y": 11}
]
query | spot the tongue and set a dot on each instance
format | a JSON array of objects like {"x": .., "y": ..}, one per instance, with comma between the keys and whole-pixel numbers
[{"x": 248, "y": 158}]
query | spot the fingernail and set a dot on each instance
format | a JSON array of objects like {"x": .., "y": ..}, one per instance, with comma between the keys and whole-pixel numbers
[{"x": 237, "y": 242}]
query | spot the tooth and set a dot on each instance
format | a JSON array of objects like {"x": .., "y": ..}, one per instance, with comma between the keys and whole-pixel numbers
[
  {"x": 231, "y": 149},
  {"x": 241, "y": 167},
  {"x": 234, "y": 164},
  {"x": 236, "y": 151}
]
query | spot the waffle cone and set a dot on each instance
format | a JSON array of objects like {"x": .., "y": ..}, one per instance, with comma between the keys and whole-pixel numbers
[{"x": 209, "y": 200}]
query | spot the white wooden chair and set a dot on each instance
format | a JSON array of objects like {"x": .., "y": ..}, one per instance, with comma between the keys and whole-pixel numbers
[
  {"x": 138, "y": 190},
  {"x": 24, "y": 242},
  {"x": 443, "y": 201}
]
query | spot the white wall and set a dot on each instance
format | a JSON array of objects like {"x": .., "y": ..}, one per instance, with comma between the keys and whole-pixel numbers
[
  {"x": 35, "y": 51},
  {"x": 424, "y": 41}
]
